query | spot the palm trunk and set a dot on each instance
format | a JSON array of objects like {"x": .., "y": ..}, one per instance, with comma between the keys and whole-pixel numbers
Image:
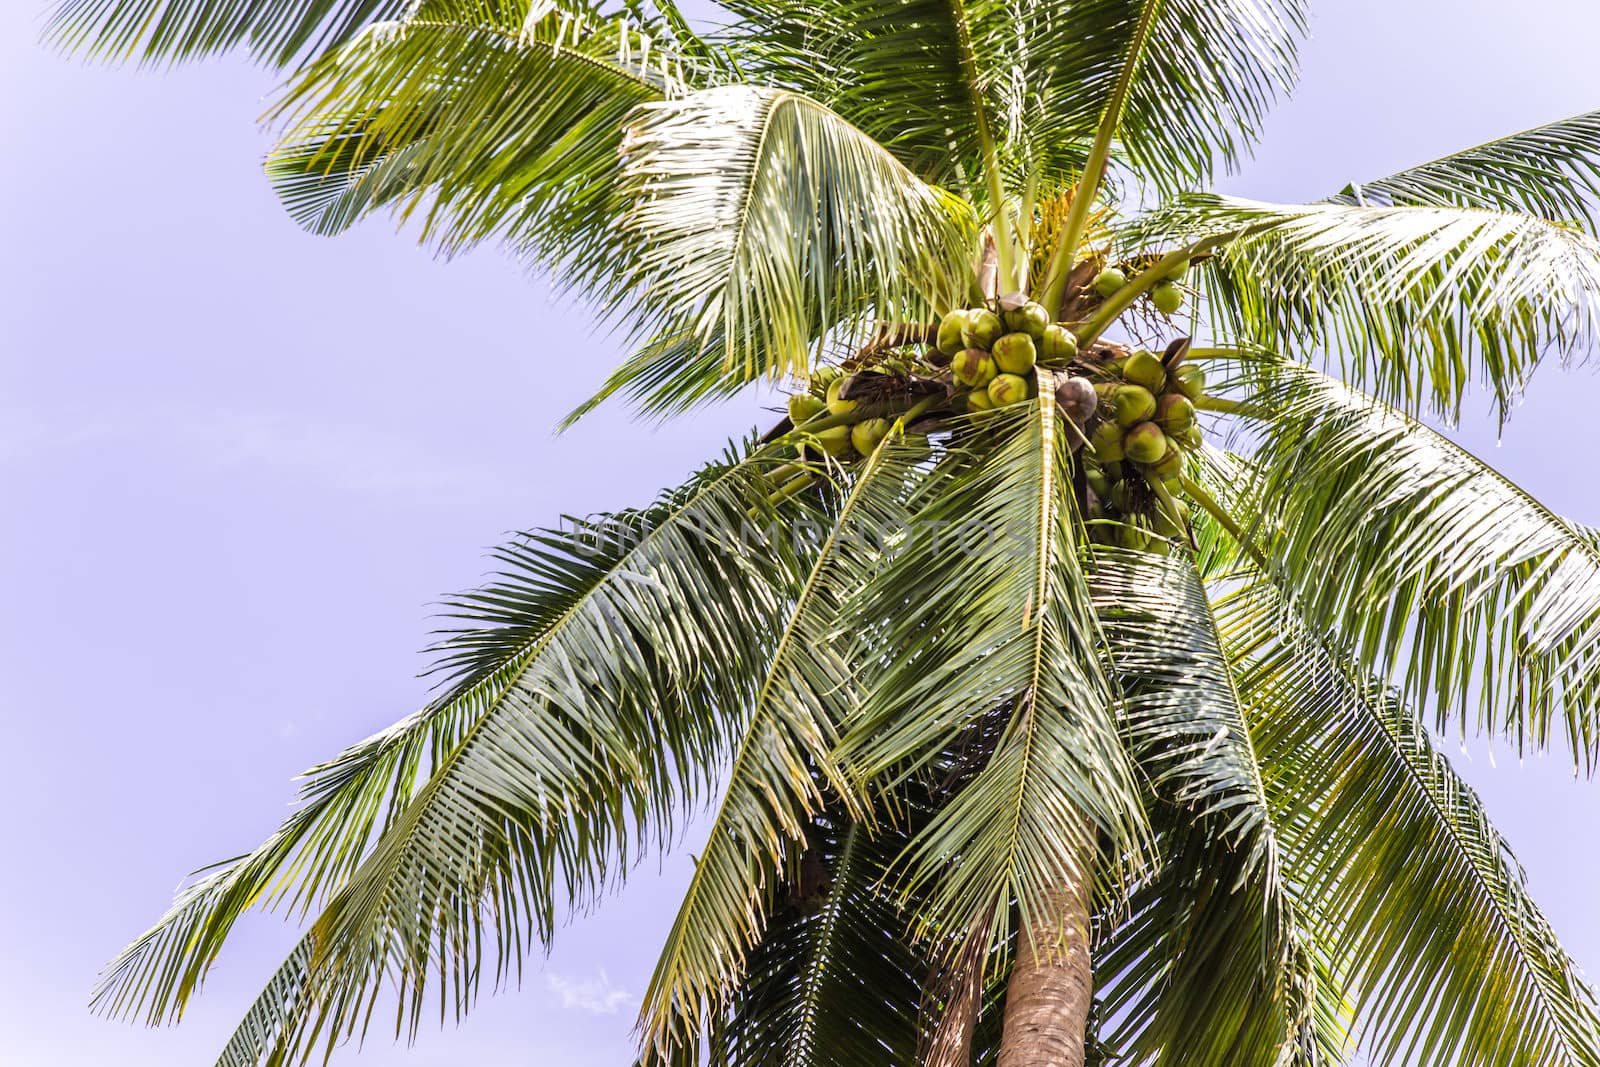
[{"x": 1049, "y": 992}]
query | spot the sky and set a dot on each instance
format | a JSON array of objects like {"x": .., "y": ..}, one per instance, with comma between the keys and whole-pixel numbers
[{"x": 240, "y": 464}]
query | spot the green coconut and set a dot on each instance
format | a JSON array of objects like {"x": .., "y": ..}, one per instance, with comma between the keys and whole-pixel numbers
[
  {"x": 974, "y": 367},
  {"x": 1031, "y": 318},
  {"x": 1167, "y": 297},
  {"x": 1168, "y": 525},
  {"x": 804, "y": 406},
  {"x": 837, "y": 404},
  {"x": 1109, "y": 281},
  {"x": 1008, "y": 389},
  {"x": 1130, "y": 536},
  {"x": 1190, "y": 380},
  {"x": 981, "y": 329},
  {"x": 950, "y": 331},
  {"x": 1192, "y": 437},
  {"x": 1179, "y": 271},
  {"x": 867, "y": 434},
  {"x": 978, "y": 400},
  {"x": 1143, "y": 368},
  {"x": 1058, "y": 344},
  {"x": 823, "y": 377},
  {"x": 1098, "y": 482},
  {"x": 835, "y": 440},
  {"x": 1132, "y": 403},
  {"x": 1014, "y": 353},
  {"x": 1107, "y": 442},
  {"x": 1170, "y": 465},
  {"x": 1145, "y": 443},
  {"x": 1174, "y": 413}
]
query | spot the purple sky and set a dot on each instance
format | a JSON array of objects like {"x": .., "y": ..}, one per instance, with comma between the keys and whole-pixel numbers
[{"x": 239, "y": 463}]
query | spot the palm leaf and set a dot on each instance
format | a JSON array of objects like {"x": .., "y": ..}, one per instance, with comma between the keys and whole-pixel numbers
[
  {"x": 276, "y": 32},
  {"x": 990, "y": 623},
  {"x": 757, "y": 220},
  {"x": 1551, "y": 170},
  {"x": 1199, "y": 972},
  {"x": 1433, "y": 568},
  {"x": 585, "y": 749},
  {"x": 1415, "y": 303},
  {"x": 1451, "y": 961},
  {"x": 783, "y": 761}
]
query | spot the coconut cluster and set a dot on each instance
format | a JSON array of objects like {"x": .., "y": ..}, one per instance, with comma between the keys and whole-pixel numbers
[
  {"x": 1133, "y": 413},
  {"x": 1166, "y": 294},
  {"x": 1145, "y": 423}
]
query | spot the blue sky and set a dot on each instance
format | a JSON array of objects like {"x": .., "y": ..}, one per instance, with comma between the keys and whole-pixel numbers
[{"x": 238, "y": 464}]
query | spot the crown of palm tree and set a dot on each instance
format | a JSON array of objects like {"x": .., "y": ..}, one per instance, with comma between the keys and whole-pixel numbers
[{"x": 924, "y": 757}]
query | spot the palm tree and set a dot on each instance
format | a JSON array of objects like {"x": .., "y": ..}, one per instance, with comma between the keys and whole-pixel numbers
[{"x": 1017, "y": 749}]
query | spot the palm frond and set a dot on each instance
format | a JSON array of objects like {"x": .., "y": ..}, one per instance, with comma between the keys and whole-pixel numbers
[
  {"x": 981, "y": 620},
  {"x": 1552, "y": 171},
  {"x": 1184, "y": 84},
  {"x": 760, "y": 219},
  {"x": 351, "y": 801},
  {"x": 492, "y": 121},
  {"x": 1434, "y": 569},
  {"x": 586, "y": 747},
  {"x": 1451, "y": 961},
  {"x": 275, "y": 32},
  {"x": 782, "y": 765},
  {"x": 1199, "y": 974},
  {"x": 1414, "y": 303}
]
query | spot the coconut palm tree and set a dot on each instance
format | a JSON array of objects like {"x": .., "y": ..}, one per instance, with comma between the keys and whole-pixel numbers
[{"x": 1031, "y": 728}]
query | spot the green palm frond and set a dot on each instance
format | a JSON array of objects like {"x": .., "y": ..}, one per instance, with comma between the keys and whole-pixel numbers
[
  {"x": 1415, "y": 303},
  {"x": 489, "y": 121},
  {"x": 833, "y": 982},
  {"x": 1435, "y": 569},
  {"x": 1552, "y": 171},
  {"x": 276, "y": 32},
  {"x": 1199, "y": 973},
  {"x": 989, "y": 621},
  {"x": 549, "y": 577},
  {"x": 560, "y": 775},
  {"x": 1182, "y": 84},
  {"x": 1450, "y": 959},
  {"x": 760, "y": 219},
  {"x": 779, "y": 771}
]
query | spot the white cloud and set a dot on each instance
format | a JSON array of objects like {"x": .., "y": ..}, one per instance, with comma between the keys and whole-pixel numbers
[{"x": 597, "y": 996}]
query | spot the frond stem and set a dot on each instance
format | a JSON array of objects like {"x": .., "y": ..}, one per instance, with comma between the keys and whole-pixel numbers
[{"x": 1216, "y": 511}]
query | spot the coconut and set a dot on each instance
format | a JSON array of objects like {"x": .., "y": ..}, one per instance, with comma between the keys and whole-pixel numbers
[
  {"x": 950, "y": 329},
  {"x": 823, "y": 377},
  {"x": 1058, "y": 344},
  {"x": 1109, "y": 281},
  {"x": 1192, "y": 437},
  {"x": 1143, "y": 368},
  {"x": 1190, "y": 380},
  {"x": 1168, "y": 298},
  {"x": 1008, "y": 389},
  {"x": 1179, "y": 271},
  {"x": 978, "y": 400},
  {"x": 981, "y": 329},
  {"x": 1174, "y": 413},
  {"x": 867, "y": 434},
  {"x": 1107, "y": 442},
  {"x": 837, "y": 404},
  {"x": 1130, "y": 536},
  {"x": 1077, "y": 399},
  {"x": 1092, "y": 506},
  {"x": 1145, "y": 443},
  {"x": 1014, "y": 353},
  {"x": 974, "y": 367},
  {"x": 1170, "y": 465},
  {"x": 1031, "y": 318},
  {"x": 1132, "y": 403},
  {"x": 1168, "y": 525},
  {"x": 804, "y": 406},
  {"x": 835, "y": 440},
  {"x": 1098, "y": 482}
]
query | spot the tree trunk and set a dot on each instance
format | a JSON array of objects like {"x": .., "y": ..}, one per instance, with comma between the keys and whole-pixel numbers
[{"x": 1049, "y": 992}]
